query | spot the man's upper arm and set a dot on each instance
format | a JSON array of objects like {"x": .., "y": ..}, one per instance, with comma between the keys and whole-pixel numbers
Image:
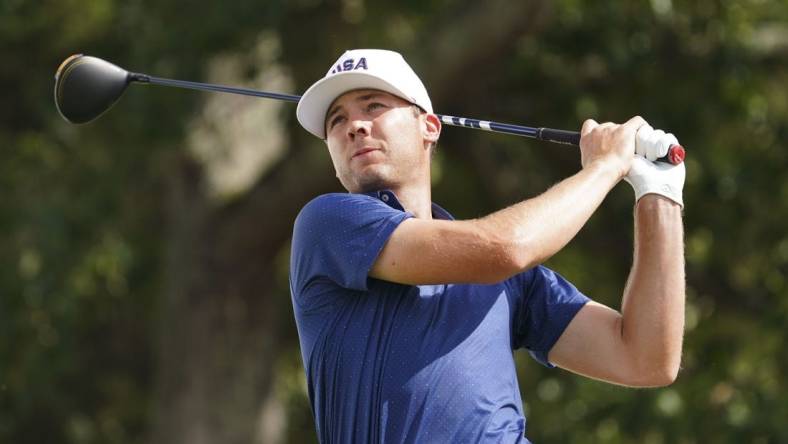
[
  {"x": 423, "y": 251},
  {"x": 592, "y": 346}
]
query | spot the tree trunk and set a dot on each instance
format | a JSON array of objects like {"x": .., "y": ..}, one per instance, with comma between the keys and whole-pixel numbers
[{"x": 221, "y": 327}]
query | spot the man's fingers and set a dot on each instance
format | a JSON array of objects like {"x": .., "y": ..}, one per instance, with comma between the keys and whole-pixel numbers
[
  {"x": 653, "y": 144},
  {"x": 636, "y": 122},
  {"x": 588, "y": 125},
  {"x": 643, "y": 140}
]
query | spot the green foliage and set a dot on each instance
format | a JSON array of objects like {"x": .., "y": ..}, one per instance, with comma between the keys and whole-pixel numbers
[{"x": 83, "y": 251}]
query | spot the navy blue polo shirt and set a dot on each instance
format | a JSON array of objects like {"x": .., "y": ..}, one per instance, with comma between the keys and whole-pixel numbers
[{"x": 393, "y": 363}]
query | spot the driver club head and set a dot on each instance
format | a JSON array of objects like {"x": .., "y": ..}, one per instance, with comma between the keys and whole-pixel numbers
[{"x": 86, "y": 86}]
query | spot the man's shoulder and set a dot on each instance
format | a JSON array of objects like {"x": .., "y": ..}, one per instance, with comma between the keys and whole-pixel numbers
[
  {"x": 335, "y": 210},
  {"x": 331, "y": 201}
]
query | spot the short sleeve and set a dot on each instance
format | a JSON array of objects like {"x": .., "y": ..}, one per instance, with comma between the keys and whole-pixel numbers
[
  {"x": 548, "y": 304},
  {"x": 339, "y": 237}
]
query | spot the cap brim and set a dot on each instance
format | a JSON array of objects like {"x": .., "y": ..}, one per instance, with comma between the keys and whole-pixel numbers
[{"x": 313, "y": 106}]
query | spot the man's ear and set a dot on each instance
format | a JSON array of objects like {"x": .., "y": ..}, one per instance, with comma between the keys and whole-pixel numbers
[{"x": 431, "y": 128}]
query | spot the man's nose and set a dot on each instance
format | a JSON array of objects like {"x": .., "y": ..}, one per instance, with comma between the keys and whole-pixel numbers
[{"x": 358, "y": 127}]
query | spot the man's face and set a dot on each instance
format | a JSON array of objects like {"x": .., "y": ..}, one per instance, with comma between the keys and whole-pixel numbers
[{"x": 377, "y": 140}]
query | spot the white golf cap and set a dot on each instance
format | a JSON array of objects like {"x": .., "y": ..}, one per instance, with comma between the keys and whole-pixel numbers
[{"x": 360, "y": 69}]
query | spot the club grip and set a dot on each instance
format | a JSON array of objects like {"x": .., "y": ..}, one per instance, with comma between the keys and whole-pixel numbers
[
  {"x": 675, "y": 154},
  {"x": 558, "y": 136}
]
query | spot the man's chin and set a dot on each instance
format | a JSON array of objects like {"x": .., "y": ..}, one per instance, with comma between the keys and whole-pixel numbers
[{"x": 370, "y": 183}]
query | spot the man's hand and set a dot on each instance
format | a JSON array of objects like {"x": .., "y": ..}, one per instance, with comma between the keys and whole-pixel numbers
[
  {"x": 648, "y": 177},
  {"x": 609, "y": 143}
]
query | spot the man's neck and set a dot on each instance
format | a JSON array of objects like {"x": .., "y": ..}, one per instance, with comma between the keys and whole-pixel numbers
[{"x": 416, "y": 199}]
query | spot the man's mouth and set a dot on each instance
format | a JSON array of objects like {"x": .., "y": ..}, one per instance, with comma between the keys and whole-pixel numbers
[{"x": 363, "y": 152}]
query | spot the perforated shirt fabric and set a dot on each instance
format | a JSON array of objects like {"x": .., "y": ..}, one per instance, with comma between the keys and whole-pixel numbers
[{"x": 393, "y": 363}]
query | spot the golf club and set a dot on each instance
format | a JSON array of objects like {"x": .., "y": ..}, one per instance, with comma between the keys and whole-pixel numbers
[{"x": 86, "y": 87}]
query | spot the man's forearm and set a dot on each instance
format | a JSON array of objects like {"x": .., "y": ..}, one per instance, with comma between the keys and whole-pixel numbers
[
  {"x": 537, "y": 228},
  {"x": 653, "y": 305}
]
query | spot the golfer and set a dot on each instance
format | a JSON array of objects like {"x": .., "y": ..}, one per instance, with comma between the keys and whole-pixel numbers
[{"x": 408, "y": 318}]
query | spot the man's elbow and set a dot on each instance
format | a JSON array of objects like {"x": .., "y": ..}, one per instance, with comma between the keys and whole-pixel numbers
[
  {"x": 665, "y": 377},
  {"x": 507, "y": 251},
  {"x": 511, "y": 261},
  {"x": 502, "y": 257},
  {"x": 660, "y": 374},
  {"x": 497, "y": 271},
  {"x": 522, "y": 255}
]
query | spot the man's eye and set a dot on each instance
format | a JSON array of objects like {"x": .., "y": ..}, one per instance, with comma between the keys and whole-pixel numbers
[
  {"x": 335, "y": 121},
  {"x": 374, "y": 105}
]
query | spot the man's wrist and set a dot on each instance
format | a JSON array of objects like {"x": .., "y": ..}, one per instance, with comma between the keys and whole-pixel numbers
[
  {"x": 657, "y": 202},
  {"x": 608, "y": 168}
]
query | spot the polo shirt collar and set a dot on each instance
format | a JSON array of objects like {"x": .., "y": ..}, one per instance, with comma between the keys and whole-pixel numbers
[{"x": 389, "y": 198}]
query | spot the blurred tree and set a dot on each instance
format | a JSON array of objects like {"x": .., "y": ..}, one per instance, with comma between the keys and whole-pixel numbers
[{"x": 143, "y": 258}]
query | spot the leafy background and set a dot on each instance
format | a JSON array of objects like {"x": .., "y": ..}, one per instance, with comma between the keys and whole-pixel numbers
[{"x": 143, "y": 257}]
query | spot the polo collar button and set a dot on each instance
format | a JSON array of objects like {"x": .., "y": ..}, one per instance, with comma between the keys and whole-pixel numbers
[{"x": 384, "y": 197}]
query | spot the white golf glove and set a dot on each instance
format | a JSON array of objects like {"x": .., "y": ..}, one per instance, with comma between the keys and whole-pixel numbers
[{"x": 649, "y": 177}]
